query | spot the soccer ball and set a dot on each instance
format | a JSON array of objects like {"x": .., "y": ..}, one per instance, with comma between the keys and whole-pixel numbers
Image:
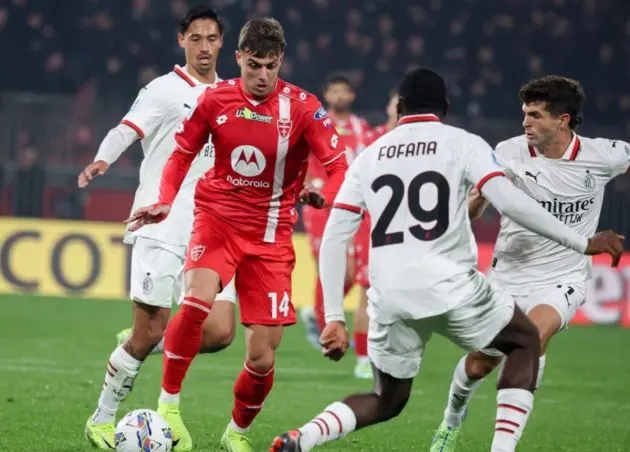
[{"x": 143, "y": 431}]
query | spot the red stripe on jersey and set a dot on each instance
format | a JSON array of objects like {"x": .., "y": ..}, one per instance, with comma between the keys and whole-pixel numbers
[
  {"x": 418, "y": 118},
  {"x": 137, "y": 129},
  {"x": 512, "y": 407},
  {"x": 351, "y": 208},
  {"x": 338, "y": 421},
  {"x": 183, "y": 75},
  {"x": 576, "y": 148},
  {"x": 532, "y": 151},
  {"x": 487, "y": 177}
]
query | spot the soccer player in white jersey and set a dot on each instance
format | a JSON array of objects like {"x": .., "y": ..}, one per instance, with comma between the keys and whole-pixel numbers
[
  {"x": 414, "y": 183},
  {"x": 159, "y": 250},
  {"x": 566, "y": 174}
]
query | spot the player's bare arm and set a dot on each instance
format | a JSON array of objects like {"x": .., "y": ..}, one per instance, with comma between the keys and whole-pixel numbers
[{"x": 477, "y": 204}]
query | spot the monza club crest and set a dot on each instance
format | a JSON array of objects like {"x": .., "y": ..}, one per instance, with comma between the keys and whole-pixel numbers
[
  {"x": 284, "y": 128},
  {"x": 196, "y": 252}
]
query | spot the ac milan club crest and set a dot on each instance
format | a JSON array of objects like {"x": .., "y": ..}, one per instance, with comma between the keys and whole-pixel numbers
[
  {"x": 284, "y": 127},
  {"x": 196, "y": 252}
]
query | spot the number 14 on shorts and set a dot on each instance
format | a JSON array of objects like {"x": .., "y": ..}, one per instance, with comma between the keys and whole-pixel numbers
[{"x": 279, "y": 306}]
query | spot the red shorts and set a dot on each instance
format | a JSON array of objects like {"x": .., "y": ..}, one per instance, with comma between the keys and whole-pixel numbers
[
  {"x": 362, "y": 253},
  {"x": 263, "y": 270}
]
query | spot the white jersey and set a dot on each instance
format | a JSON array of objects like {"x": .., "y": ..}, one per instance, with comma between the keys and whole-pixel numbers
[
  {"x": 414, "y": 182},
  {"x": 157, "y": 112},
  {"x": 572, "y": 189}
]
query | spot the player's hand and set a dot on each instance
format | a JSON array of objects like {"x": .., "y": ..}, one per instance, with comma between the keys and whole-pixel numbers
[
  {"x": 94, "y": 169},
  {"x": 334, "y": 340},
  {"x": 608, "y": 242},
  {"x": 312, "y": 198},
  {"x": 147, "y": 215}
]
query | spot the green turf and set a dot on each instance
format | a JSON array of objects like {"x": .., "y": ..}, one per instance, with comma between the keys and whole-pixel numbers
[{"x": 53, "y": 354}]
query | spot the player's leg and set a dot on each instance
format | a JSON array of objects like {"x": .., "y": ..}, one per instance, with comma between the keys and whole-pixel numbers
[
  {"x": 395, "y": 351},
  {"x": 211, "y": 261},
  {"x": 264, "y": 282},
  {"x": 153, "y": 272},
  {"x": 218, "y": 328},
  {"x": 551, "y": 310}
]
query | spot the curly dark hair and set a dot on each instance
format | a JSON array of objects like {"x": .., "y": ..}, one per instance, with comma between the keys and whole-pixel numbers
[
  {"x": 262, "y": 38},
  {"x": 560, "y": 95},
  {"x": 338, "y": 78}
]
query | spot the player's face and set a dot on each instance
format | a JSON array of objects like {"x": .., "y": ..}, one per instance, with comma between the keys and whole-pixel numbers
[
  {"x": 201, "y": 43},
  {"x": 259, "y": 75},
  {"x": 541, "y": 127},
  {"x": 339, "y": 97}
]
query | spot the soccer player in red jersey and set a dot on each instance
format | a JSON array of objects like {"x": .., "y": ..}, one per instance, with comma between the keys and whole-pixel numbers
[
  {"x": 339, "y": 95},
  {"x": 263, "y": 130}
]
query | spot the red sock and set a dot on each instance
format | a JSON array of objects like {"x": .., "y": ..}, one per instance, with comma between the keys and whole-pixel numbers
[
  {"x": 250, "y": 391},
  {"x": 182, "y": 341},
  {"x": 360, "y": 343}
]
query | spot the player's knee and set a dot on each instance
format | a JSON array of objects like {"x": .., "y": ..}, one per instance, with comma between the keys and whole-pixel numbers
[
  {"x": 392, "y": 404},
  {"x": 478, "y": 365},
  {"x": 218, "y": 339},
  {"x": 261, "y": 360}
]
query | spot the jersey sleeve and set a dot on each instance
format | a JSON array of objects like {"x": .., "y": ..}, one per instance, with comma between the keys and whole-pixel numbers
[
  {"x": 193, "y": 133},
  {"x": 480, "y": 162},
  {"x": 619, "y": 152},
  {"x": 147, "y": 111},
  {"x": 350, "y": 196},
  {"x": 326, "y": 145}
]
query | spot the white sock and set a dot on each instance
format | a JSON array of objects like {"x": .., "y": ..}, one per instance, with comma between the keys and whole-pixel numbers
[
  {"x": 122, "y": 370},
  {"x": 168, "y": 398},
  {"x": 513, "y": 408},
  {"x": 234, "y": 426},
  {"x": 462, "y": 390},
  {"x": 363, "y": 359},
  {"x": 541, "y": 370},
  {"x": 335, "y": 422},
  {"x": 159, "y": 348}
]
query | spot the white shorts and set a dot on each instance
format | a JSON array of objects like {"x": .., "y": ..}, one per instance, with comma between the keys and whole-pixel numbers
[
  {"x": 397, "y": 348},
  {"x": 157, "y": 274}
]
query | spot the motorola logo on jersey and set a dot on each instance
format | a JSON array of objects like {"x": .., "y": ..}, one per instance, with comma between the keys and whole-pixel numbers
[
  {"x": 569, "y": 212},
  {"x": 248, "y": 161}
]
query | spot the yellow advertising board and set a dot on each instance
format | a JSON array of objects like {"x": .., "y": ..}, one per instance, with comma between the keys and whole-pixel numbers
[{"x": 85, "y": 259}]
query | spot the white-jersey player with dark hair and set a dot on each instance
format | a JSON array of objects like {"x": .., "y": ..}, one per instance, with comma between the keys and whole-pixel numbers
[
  {"x": 566, "y": 174},
  {"x": 159, "y": 250},
  {"x": 414, "y": 183}
]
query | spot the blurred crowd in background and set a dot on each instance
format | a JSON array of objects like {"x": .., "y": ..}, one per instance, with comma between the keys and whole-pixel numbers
[{"x": 72, "y": 68}]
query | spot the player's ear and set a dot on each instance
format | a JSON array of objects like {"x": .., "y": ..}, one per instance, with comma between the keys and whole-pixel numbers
[
  {"x": 238, "y": 57},
  {"x": 181, "y": 40}
]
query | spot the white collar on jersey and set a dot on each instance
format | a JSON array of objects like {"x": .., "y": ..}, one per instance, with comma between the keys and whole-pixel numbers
[
  {"x": 571, "y": 152},
  {"x": 428, "y": 117},
  {"x": 192, "y": 81}
]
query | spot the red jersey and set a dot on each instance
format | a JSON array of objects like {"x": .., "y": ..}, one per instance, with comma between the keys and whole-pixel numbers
[
  {"x": 261, "y": 151},
  {"x": 353, "y": 132}
]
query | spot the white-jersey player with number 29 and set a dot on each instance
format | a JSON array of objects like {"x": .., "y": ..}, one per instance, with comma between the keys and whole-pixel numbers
[
  {"x": 566, "y": 174},
  {"x": 159, "y": 250},
  {"x": 414, "y": 183}
]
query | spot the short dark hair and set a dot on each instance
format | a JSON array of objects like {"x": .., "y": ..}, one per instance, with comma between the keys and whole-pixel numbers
[
  {"x": 422, "y": 91},
  {"x": 200, "y": 12},
  {"x": 338, "y": 78},
  {"x": 559, "y": 94},
  {"x": 262, "y": 38}
]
